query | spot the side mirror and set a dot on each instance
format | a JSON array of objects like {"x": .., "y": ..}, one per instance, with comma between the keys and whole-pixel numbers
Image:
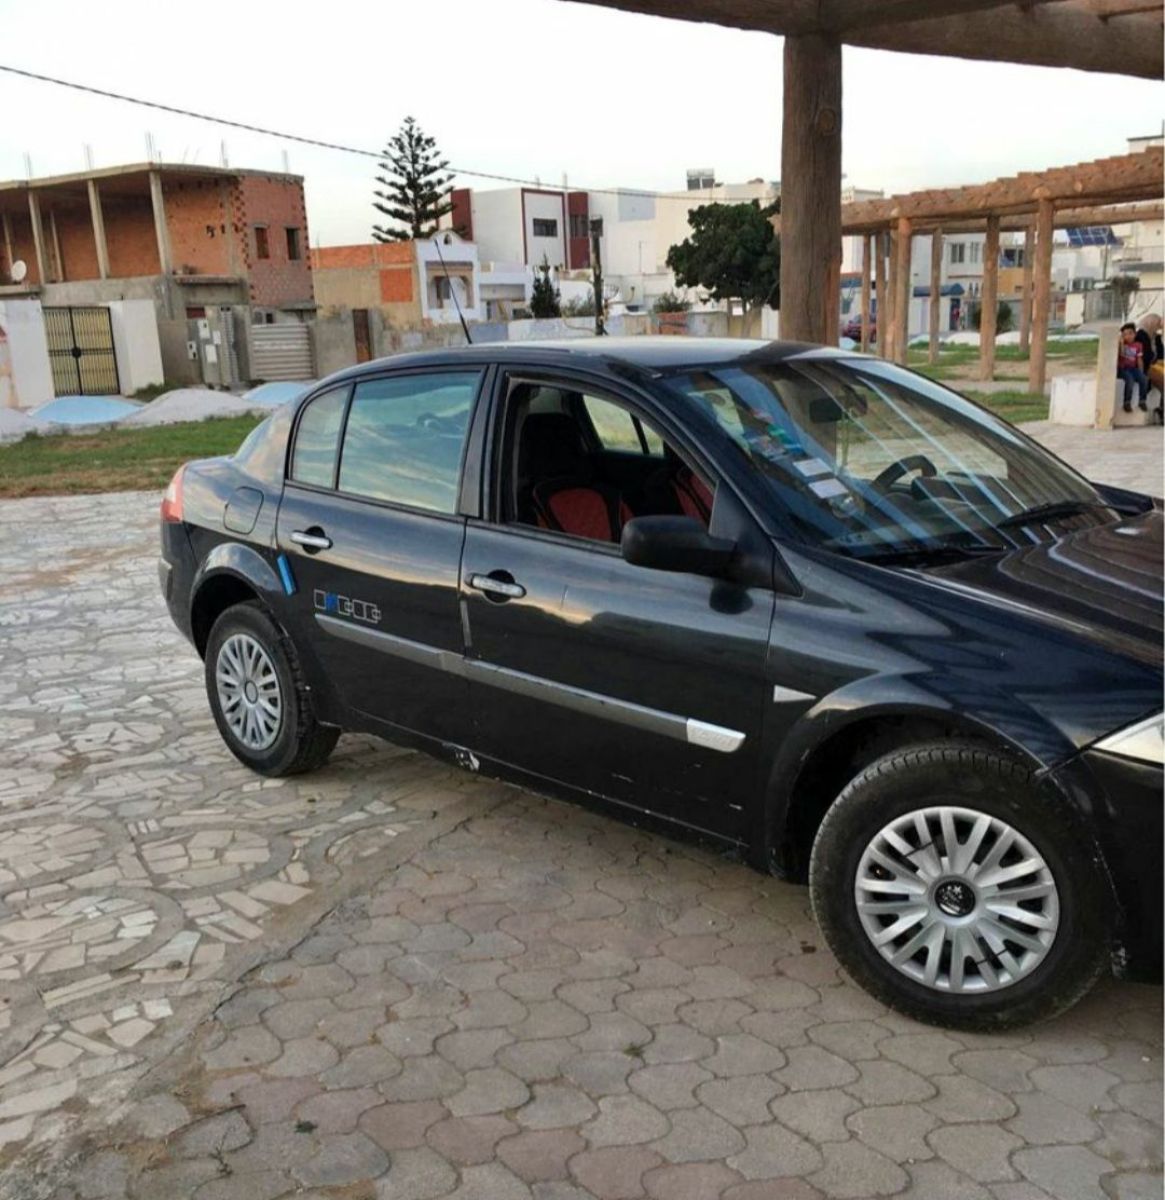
[{"x": 675, "y": 544}]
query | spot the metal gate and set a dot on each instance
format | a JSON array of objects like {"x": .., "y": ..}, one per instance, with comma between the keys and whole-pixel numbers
[
  {"x": 281, "y": 351},
  {"x": 81, "y": 351}
]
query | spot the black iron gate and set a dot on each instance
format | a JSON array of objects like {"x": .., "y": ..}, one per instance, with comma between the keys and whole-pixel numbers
[{"x": 81, "y": 351}]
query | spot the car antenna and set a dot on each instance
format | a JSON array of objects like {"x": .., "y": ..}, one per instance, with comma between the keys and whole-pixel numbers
[{"x": 456, "y": 302}]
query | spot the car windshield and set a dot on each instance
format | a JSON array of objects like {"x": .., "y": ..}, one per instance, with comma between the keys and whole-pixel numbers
[{"x": 877, "y": 462}]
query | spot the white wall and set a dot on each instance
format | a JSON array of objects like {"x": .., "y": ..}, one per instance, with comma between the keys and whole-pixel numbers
[
  {"x": 26, "y": 378},
  {"x": 497, "y": 224},
  {"x": 550, "y": 206},
  {"x": 135, "y": 344}
]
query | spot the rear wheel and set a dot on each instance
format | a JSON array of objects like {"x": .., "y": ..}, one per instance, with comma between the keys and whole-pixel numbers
[
  {"x": 258, "y": 696},
  {"x": 951, "y": 890}
]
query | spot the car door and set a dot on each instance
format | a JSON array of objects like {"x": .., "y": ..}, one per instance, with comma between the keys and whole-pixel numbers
[
  {"x": 370, "y": 528},
  {"x": 644, "y": 686}
]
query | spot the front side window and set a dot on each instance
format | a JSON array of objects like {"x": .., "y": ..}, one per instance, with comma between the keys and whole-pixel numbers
[
  {"x": 872, "y": 460},
  {"x": 405, "y": 436},
  {"x": 313, "y": 461}
]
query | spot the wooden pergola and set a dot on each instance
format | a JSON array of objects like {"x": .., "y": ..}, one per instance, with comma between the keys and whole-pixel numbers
[
  {"x": 1117, "y": 36},
  {"x": 1103, "y": 192}
]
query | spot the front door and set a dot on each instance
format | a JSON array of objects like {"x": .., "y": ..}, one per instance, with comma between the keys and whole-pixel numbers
[
  {"x": 644, "y": 686},
  {"x": 369, "y": 525}
]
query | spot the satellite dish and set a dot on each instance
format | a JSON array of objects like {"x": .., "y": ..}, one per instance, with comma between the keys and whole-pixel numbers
[{"x": 19, "y": 270}]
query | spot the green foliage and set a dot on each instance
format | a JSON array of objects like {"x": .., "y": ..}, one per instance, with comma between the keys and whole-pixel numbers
[
  {"x": 579, "y": 306},
  {"x": 544, "y": 300},
  {"x": 1016, "y": 407},
  {"x": 669, "y": 302},
  {"x": 114, "y": 460},
  {"x": 1125, "y": 287},
  {"x": 733, "y": 253},
  {"x": 415, "y": 187},
  {"x": 1004, "y": 319}
]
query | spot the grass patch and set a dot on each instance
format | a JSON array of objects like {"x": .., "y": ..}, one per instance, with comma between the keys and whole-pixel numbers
[
  {"x": 1015, "y": 407},
  {"x": 958, "y": 362},
  {"x": 114, "y": 460},
  {"x": 151, "y": 392}
]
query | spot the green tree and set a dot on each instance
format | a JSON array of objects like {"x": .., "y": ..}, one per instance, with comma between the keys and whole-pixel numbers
[
  {"x": 544, "y": 299},
  {"x": 1124, "y": 288},
  {"x": 669, "y": 302},
  {"x": 414, "y": 187},
  {"x": 733, "y": 253}
]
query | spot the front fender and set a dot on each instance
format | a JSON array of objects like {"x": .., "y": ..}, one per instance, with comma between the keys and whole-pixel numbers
[{"x": 936, "y": 698}]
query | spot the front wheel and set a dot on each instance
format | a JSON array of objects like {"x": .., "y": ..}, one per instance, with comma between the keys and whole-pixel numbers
[
  {"x": 258, "y": 696},
  {"x": 954, "y": 891}
]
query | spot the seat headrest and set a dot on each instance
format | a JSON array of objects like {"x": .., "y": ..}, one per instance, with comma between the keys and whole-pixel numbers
[{"x": 551, "y": 445}]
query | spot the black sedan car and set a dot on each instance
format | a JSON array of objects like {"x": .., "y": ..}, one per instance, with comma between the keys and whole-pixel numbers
[{"x": 804, "y": 603}]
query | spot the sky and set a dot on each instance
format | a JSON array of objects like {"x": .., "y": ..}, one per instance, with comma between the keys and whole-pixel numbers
[{"x": 536, "y": 89}]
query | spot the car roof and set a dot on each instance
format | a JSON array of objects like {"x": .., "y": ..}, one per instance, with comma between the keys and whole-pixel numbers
[{"x": 652, "y": 355}]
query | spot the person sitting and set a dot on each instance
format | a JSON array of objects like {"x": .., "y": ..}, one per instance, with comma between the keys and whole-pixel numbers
[
  {"x": 1130, "y": 368},
  {"x": 1153, "y": 357}
]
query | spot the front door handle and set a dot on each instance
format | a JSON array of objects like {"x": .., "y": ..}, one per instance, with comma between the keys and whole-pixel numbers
[
  {"x": 311, "y": 539},
  {"x": 497, "y": 588}
]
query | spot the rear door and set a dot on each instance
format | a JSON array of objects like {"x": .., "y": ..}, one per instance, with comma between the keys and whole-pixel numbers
[
  {"x": 370, "y": 527},
  {"x": 644, "y": 686}
]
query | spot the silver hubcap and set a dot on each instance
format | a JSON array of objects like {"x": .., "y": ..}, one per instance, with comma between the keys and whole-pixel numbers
[
  {"x": 248, "y": 691},
  {"x": 957, "y": 900}
]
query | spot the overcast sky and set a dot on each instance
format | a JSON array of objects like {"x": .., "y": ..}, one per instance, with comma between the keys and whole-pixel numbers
[{"x": 531, "y": 88}]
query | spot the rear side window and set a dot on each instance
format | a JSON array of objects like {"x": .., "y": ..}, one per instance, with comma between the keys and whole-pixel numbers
[
  {"x": 405, "y": 436},
  {"x": 314, "y": 458}
]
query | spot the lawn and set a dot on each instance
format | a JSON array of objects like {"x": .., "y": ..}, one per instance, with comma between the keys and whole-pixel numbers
[
  {"x": 1015, "y": 407},
  {"x": 115, "y": 460},
  {"x": 960, "y": 362}
]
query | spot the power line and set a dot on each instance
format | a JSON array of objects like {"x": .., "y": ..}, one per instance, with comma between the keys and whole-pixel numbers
[{"x": 306, "y": 141}]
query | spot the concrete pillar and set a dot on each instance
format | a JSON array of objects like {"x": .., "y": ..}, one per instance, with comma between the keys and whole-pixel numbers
[
  {"x": 882, "y": 317},
  {"x": 989, "y": 300},
  {"x": 936, "y": 287},
  {"x": 161, "y": 230},
  {"x": 58, "y": 257},
  {"x": 1110, "y": 334},
  {"x": 811, "y": 189},
  {"x": 38, "y": 242},
  {"x": 98, "y": 219},
  {"x": 867, "y": 251}
]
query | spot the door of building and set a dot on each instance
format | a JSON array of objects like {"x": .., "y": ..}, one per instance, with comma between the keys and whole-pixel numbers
[
  {"x": 81, "y": 355},
  {"x": 360, "y": 330}
]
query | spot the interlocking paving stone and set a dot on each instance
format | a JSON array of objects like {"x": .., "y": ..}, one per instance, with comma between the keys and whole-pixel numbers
[{"x": 527, "y": 1001}]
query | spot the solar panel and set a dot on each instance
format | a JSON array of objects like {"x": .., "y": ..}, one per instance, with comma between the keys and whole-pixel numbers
[{"x": 1092, "y": 235}]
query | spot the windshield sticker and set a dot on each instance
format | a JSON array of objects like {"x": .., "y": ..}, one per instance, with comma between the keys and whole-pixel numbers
[
  {"x": 811, "y": 467},
  {"x": 827, "y": 488}
]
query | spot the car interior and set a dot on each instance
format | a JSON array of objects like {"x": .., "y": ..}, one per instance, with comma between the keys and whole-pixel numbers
[{"x": 584, "y": 466}]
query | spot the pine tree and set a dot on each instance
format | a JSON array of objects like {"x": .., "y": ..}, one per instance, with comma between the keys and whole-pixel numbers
[
  {"x": 415, "y": 186},
  {"x": 544, "y": 299}
]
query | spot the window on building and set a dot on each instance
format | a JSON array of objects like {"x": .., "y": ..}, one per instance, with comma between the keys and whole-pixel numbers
[
  {"x": 404, "y": 439},
  {"x": 262, "y": 246},
  {"x": 578, "y": 225},
  {"x": 545, "y": 227},
  {"x": 294, "y": 250},
  {"x": 976, "y": 249},
  {"x": 958, "y": 252}
]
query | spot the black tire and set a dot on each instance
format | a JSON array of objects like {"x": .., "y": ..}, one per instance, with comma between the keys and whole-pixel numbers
[
  {"x": 302, "y": 743},
  {"x": 972, "y": 777}
]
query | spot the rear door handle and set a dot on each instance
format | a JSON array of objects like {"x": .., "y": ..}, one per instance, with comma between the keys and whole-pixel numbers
[
  {"x": 503, "y": 589},
  {"x": 311, "y": 539}
]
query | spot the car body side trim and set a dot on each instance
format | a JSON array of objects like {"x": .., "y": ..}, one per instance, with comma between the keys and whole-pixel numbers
[{"x": 594, "y": 704}]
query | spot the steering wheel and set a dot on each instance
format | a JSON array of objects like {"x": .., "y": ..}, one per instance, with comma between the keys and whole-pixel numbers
[{"x": 912, "y": 462}]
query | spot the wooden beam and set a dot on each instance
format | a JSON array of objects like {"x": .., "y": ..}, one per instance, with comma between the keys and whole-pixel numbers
[
  {"x": 98, "y": 219},
  {"x": 902, "y": 290},
  {"x": 936, "y": 280},
  {"x": 867, "y": 250},
  {"x": 890, "y": 327},
  {"x": 811, "y": 189},
  {"x": 1041, "y": 300},
  {"x": 1045, "y": 34},
  {"x": 1025, "y": 301},
  {"x": 9, "y": 253},
  {"x": 989, "y": 300},
  {"x": 38, "y": 242},
  {"x": 881, "y": 321},
  {"x": 161, "y": 229}
]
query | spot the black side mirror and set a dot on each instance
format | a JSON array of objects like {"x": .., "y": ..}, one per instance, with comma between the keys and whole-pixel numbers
[{"x": 675, "y": 544}]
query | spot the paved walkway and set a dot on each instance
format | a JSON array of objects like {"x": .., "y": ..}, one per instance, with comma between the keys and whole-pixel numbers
[
  {"x": 1131, "y": 458},
  {"x": 393, "y": 979}
]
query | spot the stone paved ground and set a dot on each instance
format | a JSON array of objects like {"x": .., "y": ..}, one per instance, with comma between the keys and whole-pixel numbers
[{"x": 392, "y": 979}]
